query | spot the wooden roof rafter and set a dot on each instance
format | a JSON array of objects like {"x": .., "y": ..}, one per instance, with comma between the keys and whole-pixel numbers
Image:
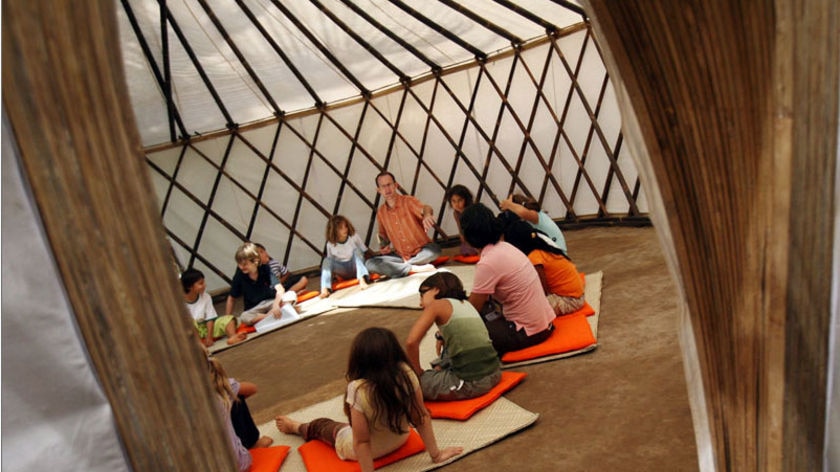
[
  {"x": 321, "y": 47},
  {"x": 361, "y": 41},
  {"x": 279, "y": 51},
  {"x": 514, "y": 39},
  {"x": 390, "y": 34},
  {"x": 198, "y": 67},
  {"x": 173, "y": 116},
  {"x": 241, "y": 57},
  {"x": 478, "y": 53}
]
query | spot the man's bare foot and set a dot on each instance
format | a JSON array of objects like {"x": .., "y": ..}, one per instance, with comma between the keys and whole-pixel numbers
[
  {"x": 287, "y": 425},
  {"x": 423, "y": 268},
  {"x": 263, "y": 441},
  {"x": 362, "y": 284},
  {"x": 237, "y": 338}
]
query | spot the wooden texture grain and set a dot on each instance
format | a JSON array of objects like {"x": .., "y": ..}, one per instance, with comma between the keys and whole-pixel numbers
[
  {"x": 730, "y": 108},
  {"x": 66, "y": 99}
]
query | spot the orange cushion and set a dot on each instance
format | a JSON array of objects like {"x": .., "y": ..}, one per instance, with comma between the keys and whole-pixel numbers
[
  {"x": 585, "y": 310},
  {"x": 464, "y": 409},
  {"x": 267, "y": 459},
  {"x": 350, "y": 282},
  {"x": 306, "y": 296},
  {"x": 243, "y": 328},
  {"x": 466, "y": 259},
  {"x": 440, "y": 260},
  {"x": 320, "y": 457},
  {"x": 571, "y": 332}
]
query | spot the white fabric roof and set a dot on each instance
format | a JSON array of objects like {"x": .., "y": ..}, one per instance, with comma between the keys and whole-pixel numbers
[{"x": 249, "y": 78}]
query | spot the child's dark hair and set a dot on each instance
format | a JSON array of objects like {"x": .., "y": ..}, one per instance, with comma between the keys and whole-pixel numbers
[
  {"x": 377, "y": 357},
  {"x": 528, "y": 202},
  {"x": 462, "y": 192},
  {"x": 332, "y": 228},
  {"x": 447, "y": 283},
  {"x": 526, "y": 238},
  {"x": 189, "y": 278},
  {"x": 480, "y": 226}
]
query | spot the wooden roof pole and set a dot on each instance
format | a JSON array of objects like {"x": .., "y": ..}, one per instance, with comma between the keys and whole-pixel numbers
[
  {"x": 731, "y": 112},
  {"x": 67, "y": 102}
]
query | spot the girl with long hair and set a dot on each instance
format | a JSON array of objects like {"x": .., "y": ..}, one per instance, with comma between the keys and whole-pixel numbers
[
  {"x": 346, "y": 254},
  {"x": 383, "y": 399}
]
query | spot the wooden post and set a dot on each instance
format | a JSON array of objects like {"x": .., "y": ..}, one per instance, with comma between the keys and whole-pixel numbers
[
  {"x": 730, "y": 109},
  {"x": 66, "y": 99}
]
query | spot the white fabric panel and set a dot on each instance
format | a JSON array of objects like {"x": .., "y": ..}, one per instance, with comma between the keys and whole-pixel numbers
[
  {"x": 277, "y": 222},
  {"x": 55, "y": 415},
  {"x": 240, "y": 92}
]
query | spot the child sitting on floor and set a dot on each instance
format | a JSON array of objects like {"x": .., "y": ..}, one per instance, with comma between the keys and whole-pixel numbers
[
  {"x": 291, "y": 282},
  {"x": 468, "y": 366},
  {"x": 559, "y": 276},
  {"x": 262, "y": 295},
  {"x": 460, "y": 197},
  {"x": 382, "y": 400},
  {"x": 209, "y": 325},
  {"x": 226, "y": 393},
  {"x": 346, "y": 254},
  {"x": 529, "y": 210}
]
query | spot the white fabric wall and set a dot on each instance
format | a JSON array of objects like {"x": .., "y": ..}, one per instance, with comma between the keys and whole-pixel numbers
[
  {"x": 276, "y": 222},
  {"x": 54, "y": 414}
]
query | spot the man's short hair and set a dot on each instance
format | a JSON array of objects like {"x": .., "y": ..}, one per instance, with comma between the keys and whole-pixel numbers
[{"x": 383, "y": 174}]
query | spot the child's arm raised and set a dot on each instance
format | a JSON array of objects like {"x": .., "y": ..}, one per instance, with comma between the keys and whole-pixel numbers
[{"x": 361, "y": 440}]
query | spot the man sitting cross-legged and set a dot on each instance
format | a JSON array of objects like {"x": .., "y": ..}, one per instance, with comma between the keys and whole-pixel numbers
[{"x": 404, "y": 221}]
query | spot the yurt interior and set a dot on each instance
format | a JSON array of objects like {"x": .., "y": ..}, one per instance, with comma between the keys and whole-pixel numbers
[{"x": 686, "y": 150}]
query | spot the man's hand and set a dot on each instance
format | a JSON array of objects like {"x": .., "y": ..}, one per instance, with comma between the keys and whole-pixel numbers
[
  {"x": 428, "y": 222},
  {"x": 428, "y": 218}
]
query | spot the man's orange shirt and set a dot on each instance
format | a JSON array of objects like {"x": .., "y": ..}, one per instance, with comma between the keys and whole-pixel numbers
[{"x": 403, "y": 225}]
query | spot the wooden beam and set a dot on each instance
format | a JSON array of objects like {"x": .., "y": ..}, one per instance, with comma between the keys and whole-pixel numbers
[
  {"x": 730, "y": 109},
  {"x": 67, "y": 103}
]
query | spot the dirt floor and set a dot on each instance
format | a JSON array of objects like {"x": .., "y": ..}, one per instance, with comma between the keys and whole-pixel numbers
[{"x": 621, "y": 407}]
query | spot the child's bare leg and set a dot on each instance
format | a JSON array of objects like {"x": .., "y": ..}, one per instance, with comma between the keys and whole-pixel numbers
[
  {"x": 232, "y": 336},
  {"x": 263, "y": 441},
  {"x": 287, "y": 425},
  {"x": 237, "y": 338},
  {"x": 300, "y": 285}
]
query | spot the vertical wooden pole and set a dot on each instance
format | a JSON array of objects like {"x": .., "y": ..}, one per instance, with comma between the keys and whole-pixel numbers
[
  {"x": 66, "y": 99},
  {"x": 730, "y": 109}
]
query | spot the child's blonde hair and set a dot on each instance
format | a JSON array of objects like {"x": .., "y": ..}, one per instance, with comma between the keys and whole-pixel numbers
[
  {"x": 248, "y": 252},
  {"x": 220, "y": 381},
  {"x": 334, "y": 223}
]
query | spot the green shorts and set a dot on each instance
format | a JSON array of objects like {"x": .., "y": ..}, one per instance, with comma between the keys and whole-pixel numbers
[{"x": 219, "y": 325}]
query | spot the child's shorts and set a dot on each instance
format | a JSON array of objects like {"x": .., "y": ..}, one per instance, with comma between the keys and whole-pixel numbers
[{"x": 219, "y": 325}]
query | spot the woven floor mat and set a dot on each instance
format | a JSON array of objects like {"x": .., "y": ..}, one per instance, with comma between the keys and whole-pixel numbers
[{"x": 499, "y": 420}]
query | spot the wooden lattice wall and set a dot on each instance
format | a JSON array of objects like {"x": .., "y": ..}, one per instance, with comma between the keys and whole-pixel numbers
[{"x": 540, "y": 119}]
